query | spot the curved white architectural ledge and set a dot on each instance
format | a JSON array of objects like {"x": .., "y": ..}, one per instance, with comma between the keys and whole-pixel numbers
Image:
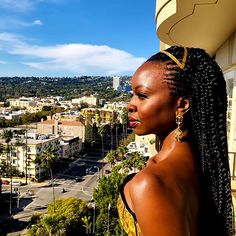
[{"x": 195, "y": 23}]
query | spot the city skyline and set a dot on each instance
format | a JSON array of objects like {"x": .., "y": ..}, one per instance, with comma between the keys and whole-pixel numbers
[{"x": 73, "y": 38}]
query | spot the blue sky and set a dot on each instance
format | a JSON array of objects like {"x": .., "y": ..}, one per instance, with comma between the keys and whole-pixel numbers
[{"x": 75, "y": 37}]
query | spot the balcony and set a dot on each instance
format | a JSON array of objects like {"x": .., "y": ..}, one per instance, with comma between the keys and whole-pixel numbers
[{"x": 196, "y": 23}]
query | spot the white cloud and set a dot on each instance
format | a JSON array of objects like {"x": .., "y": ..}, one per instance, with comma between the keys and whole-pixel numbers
[
  {"x": 16, "y": 5},
  {"x": 76, "y": 58},
  {"x": 13, "y": 23},
  {"x": 3, "y": 62},
  {"x": 24, "y": 5},
  {"x": 37, "y": 22}
]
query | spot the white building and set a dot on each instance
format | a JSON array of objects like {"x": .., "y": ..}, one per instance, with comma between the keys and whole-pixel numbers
[
  {"x": 116, "y": 82},
  {"x": 29, "y": 148},
  {"x": 90, "y": 100}
]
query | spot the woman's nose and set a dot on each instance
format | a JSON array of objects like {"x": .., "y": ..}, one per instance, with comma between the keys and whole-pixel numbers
[{"x": 131, "y": 107}]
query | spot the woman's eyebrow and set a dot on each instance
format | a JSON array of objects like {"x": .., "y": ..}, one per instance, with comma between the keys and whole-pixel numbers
[{"x": 142, "y": 86}]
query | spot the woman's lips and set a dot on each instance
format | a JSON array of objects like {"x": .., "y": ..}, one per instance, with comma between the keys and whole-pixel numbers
[{"x": 133, "y": 122}]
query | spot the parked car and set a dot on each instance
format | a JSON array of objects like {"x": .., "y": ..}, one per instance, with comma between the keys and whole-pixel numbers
[
  {"x": 16, "y": 183},
  {"x": 91, "y": 170},
  {"x": 6, "y": 182},
  {"x": 78, "y": 179}
]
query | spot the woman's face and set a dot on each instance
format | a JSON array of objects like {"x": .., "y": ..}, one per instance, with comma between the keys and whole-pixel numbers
[{"x": 152, "y": 108}]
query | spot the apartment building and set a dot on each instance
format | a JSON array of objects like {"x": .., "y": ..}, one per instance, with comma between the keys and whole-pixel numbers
[
  {"x": 67, "y": 147},
  {"x": 99, "y": 115},
  {"x": 70, "y": 147},
  {"x": 90, "y": 100},
  {"x": 64, "y": 128},
  {"x": 24, "y": 153}
]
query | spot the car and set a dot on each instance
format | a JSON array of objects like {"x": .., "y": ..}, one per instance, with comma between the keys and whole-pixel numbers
[
  {"x": 6, "y": 182},
  {"x": 91, "y": 170},
  {"x": 16, "y": 183},
  {"x": 78, "y": 179}
]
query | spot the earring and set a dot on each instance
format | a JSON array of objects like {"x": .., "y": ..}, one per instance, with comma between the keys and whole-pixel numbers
[{"x": 178, "y": 132}]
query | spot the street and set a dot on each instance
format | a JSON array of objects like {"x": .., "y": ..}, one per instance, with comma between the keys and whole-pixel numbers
[{"x": 35, "y": 197}]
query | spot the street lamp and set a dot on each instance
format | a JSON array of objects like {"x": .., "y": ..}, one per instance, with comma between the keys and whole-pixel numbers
[
  {"x": 94, "y": 217},
  {"x": 108, "y": 218}
]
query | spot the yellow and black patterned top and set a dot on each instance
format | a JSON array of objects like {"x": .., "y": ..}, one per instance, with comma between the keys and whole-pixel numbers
[{"x": 127, "y": 217}]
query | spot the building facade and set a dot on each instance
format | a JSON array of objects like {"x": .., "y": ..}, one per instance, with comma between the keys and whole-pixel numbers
[
  {"x": 116, "y": 82},
  {"x": 64, "y": 128}
]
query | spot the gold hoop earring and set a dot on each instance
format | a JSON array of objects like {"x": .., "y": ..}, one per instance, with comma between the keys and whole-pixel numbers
[{"x": 178, "y": 132}]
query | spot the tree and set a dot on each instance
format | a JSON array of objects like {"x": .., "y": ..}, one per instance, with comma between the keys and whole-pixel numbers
[
  {"x": 134, "y": 161},
  {"x": 69, "y": 218},
  {"x": 8, "y": 135},
  {"x": 106, "y": 194},
  {"x": 1, "y": 151},
  {"x": 121, "y": 152},
  {"x": 1, "y": 148},
  {"x": 124, "y": 116},
  {"x": 128, "y": 139},
  {"x": 87, "y": 223},
  {"x": 112, "y": 125},
  {"x": 101, "y": 131},
  {"x": 111, "y": 157},
  {"x": 46, "y": 159},
  {"x": 117, "y": 127}
]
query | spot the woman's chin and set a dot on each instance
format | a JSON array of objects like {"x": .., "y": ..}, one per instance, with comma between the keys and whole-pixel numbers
[{"x": 140, "y": 132}]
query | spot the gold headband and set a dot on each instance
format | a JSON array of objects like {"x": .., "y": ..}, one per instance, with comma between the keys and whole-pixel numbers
[{"x": 180, "y": 64}]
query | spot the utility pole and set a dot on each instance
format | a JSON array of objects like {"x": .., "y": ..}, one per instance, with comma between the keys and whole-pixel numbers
[
  {"x": 108, "y": 218},
  {"x": 10, "y": 203},
  {"x": 94, "y": 217},
  {"x": 26, "y": 155}
]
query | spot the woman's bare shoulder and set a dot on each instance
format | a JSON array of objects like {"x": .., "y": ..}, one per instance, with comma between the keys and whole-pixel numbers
[
  {"x": 148, "y": 180},
  {"x": 155, "y": 201}
]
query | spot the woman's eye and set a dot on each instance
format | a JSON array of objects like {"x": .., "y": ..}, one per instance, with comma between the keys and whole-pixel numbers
[{"x": 141, "y": 95}]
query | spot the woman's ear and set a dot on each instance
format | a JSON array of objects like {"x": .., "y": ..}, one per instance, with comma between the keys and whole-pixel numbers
[{"x": 183, "y": 105}]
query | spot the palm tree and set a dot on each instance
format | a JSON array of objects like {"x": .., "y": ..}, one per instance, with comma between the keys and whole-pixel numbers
[
  {"x": 117, "y": 122},
  {"x": 7, "y": 135},
  {"x": 46, "y": 159},
  {"x": 111, "y": 157},
  {"x": 87, "y": 223},
  {"x": 136, "y": 160},
  {"x": 18, "y": 144},
  {"x": 124, "y": 121},
  {"x": 122, "y": 152},
  {"x": 101, "y": 131},
  {"x": 112, "y": 125},
  {"x": 1, "y": 151},
  {"x": 1, "y": 148}
]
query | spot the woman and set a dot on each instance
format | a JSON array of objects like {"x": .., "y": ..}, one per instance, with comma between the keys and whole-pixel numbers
[{"x": 179, "y": 95}]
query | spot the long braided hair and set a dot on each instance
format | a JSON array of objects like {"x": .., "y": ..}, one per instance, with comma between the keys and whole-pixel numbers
[{"x": 201, "y": 80}]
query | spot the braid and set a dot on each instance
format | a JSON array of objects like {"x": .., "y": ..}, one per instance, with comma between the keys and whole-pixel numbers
[{"x": 203, "y": 83}]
